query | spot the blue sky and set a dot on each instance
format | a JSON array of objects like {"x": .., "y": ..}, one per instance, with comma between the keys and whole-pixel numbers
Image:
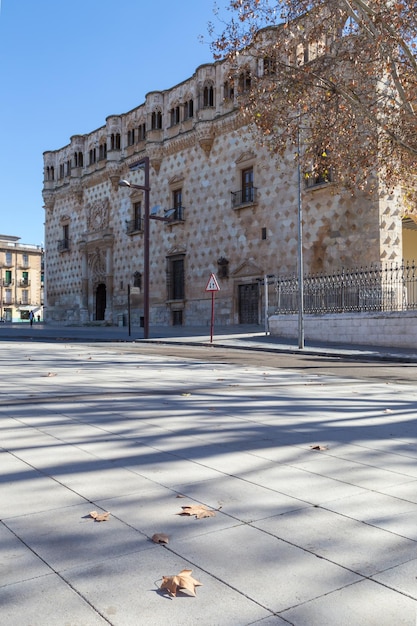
[{"x": 66, "y": 66}]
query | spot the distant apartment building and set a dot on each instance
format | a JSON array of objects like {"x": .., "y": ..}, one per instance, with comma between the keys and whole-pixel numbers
[{"x": 21, "y": 285}]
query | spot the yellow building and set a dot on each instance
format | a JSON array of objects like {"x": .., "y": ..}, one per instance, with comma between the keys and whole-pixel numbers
[{"x": 21, "y": 285}]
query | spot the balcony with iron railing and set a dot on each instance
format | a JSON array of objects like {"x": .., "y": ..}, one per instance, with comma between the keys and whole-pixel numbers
[
  {"x": 63, "y": 245},
  {"x": 318, "y": 179},
  {"x": 7, "y": 282},
  {"x": 134, "y": 226},
  {"x": 24, "y": 282},
  {"x": 243, "y": 197},
  {"x": 176, "y": 214}
]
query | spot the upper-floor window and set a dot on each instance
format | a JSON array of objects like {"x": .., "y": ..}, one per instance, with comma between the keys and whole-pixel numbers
[
  {"x": 245, "y": 81},
  {"x": 208, "y": 96},
  {"x": 61, "y": 170},
  {"x": 9, "y": 260},
  {"x": 135, "y": 224},
  {"x": 50, "y": 173},
  {"x": 188, "y": 109},
  {"x": 247, "y": 185},
  {"x": 25, "y": 260},
  {"x": 228, "y": 90},
  {"x": 115, "y": 142},
  {"x": 102, "y": 151},
  {"x": 64, "y": 243},
  {"x": 177, "y": 205},
  {"x": 69, "y": 167},
  {"x": 156, "y": 120},
  {"x": 131, "y": 137},
  {"x": 247, "y": 192},
  {"x": 270, "y": 66},
  {"x": 142, "y": 132},
  {"x": 175, "y": 115},
  {"x": 92, "y": 156},
  {"x": 78, "y": 159}
]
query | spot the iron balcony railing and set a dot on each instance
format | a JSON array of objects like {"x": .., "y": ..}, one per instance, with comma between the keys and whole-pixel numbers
[
  {"x": 177, "y": 215},
  {"x": 247, "y": 195},
  {"x": 134, "y": 226},
  {"x": 376, "y": 288},
  {"x": 63, "y": 244}
]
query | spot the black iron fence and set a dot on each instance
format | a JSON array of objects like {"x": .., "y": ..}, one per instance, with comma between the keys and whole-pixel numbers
[{"x": 376, "y": 288}]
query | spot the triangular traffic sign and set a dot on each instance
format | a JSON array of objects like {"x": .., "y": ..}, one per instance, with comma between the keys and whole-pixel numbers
[{"x": 212, "y": 284}]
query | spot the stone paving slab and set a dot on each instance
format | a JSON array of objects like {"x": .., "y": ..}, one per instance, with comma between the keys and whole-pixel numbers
[
  {"x": 361, "y": 604},
  {"x": 276, "y": 573},
  {"x": 66, "y": 537},
  {"x": 402, "y": 578},
  {"x": 387, "y": 512},
  {"x": 17, "y": 563},
  {"x": 359, "y": 547},
  {"x": 125, "y": 591}
]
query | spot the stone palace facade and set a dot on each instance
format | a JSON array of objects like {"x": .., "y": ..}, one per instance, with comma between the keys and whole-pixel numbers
[{"x": 234, "y": 214}]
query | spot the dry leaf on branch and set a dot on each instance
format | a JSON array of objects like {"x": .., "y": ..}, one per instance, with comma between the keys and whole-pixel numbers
[
  {"x": 181, "y": 581},
  {"x": 99, "y": 517},
  {"x": 160, "y": 538},
  {"x": 199, "y": 510},
  {"x": 319, "y": 447}
]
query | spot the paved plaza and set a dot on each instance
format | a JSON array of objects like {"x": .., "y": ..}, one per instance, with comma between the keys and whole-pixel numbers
[{"x": 313, "y": 480}]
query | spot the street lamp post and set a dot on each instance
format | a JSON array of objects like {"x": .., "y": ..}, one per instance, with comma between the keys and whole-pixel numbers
[
  {"x": 300, "y": 247},
  {"x": 143, "y": 164}
]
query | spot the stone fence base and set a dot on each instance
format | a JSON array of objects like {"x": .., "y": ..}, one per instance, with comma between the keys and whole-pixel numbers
[{"x": 392, "y": 329}]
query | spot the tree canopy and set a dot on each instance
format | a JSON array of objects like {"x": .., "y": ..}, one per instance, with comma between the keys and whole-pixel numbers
[{"x": 343, "y": 73}]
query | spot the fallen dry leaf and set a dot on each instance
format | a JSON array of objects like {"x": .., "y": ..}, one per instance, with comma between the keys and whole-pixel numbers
[
  {"x": 199, "y": 510},
  {"x": 160, "y": 538},
  {"x": 388, "y": 411},
  {"x": 183, "y": 580},
  {"x": 318, "y": 447},
  {"x": 186, "y": 395},
  {"x": 49, "y": 374},
  {"x": 179, "y": 495},
  {"x": 99, "y": 517}
]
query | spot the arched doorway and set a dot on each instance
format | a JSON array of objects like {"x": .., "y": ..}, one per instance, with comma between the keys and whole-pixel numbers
[{"x": 100, "y": 301}]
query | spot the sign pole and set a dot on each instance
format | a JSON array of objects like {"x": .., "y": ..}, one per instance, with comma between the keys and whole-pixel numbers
[
  {"x": 212, "y": 286},
  {"x": 212, "y": 317},
  {"x": 128, "y": 308}
]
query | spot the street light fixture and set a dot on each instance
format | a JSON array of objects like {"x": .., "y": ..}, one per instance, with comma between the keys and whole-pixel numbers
[{"x": 144, "y": 164}]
